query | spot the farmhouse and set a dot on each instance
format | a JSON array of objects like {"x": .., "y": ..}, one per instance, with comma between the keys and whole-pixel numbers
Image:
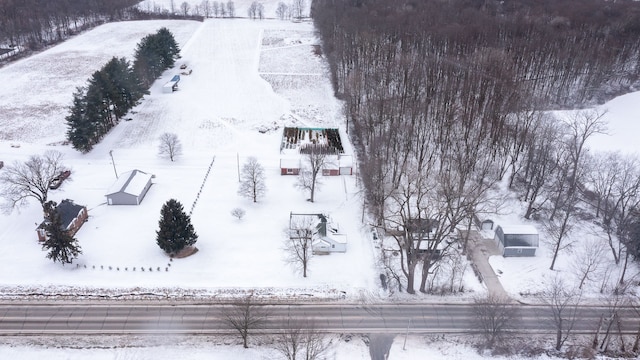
[
  {"x": 421, "y": 233},
  {"x": 171, "y": 85},
  {"x": 129, "y": 189},
  {"x": 326, "y": 237},
  {"x": 517, "y": 240},
  {"x": 71, "y": 215}
]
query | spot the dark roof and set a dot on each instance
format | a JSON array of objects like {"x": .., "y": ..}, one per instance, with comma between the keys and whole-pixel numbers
[{"x": 68, "y": 211}]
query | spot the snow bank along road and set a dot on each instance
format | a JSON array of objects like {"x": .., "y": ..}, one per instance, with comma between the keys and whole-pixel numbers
[{"x": 140, "y": 318}]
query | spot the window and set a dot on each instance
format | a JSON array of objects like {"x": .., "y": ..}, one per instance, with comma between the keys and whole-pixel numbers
[{"x": 289, "y": 171}]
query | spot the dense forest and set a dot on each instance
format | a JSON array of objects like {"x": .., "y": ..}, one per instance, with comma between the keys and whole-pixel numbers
[{"x": 446, "y": 100}]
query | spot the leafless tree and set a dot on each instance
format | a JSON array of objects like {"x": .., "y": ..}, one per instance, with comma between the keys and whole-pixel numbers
[
  {"x": 253, "y": 10},
  {"x": 170, "y": 146},
  {"x": 30, "y": 179},
  {"x": 206, "y": 8},
  {"x": 559, "y": 230},
  {"x": 588, "y": 259},
  {"x": 185, "y": 7},
  {"x": 245, "y": 316},
  {"x": 495, "y": 316},
  {"x": 298, "y": 8},
  {"x": 611, "y": 320},
  {"x": 308, "y": 178},
  {"x": 215, "y": 8},
  {"x": 563, "y": 300},
  {"x": 231, "y": 9},
  {"x": 252, "y": 180},
  {"x": 301, "y": 341},
  {"x": 238, "y": 213},
  {"x": 281, "y": 11},
  {"x": 299, "y": 242},
  {"x": 573, "y": 168}
]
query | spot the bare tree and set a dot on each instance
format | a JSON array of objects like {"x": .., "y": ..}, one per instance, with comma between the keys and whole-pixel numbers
[
  {"x": 30, "y": 179},
  {"x": 252, "y": 184},
  {"x": 298, "y": 8},
  {"x": 588, "y": 259},
  {"x": 206, "y": 8},
  {"x": 299, "y": 242},
  {"x": 231, "y": 9},
  {"x": 281, "y": 11},
  {"x": 238, "y": 213},
  {"x": 308, "y": 178},
  {"x": 185, "y": 7},
  {"x": 170, "y": 146},
  {"x": 563, "y": 301},
  {"x": 301, "y": 341},
  {"x": 495, "y": 316},
  {"x": 245, "y": 316},
  {"x": 559, "y": 229}
]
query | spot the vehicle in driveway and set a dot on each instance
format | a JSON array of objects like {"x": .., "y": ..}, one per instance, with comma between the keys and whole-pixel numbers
[{"x": 57, "y": 181}]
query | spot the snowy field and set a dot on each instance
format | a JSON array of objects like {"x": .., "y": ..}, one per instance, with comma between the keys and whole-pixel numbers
[{"x": 216, "y": 115}]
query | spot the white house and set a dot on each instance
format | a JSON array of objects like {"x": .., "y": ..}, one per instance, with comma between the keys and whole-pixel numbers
[
  {"x": 326, "y": 237},
  {"x": 330, "y": 244},
  {"x": 129, "y": 189}
]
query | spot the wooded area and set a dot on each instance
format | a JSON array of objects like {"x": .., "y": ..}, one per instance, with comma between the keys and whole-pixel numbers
[
  {"x": 445, "y": 99},
  {"x": 33, "y": 24}
]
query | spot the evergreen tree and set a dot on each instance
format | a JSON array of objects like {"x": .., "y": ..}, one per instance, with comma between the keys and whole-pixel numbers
[
  {"x": 176, "y": 231},
  {"x": 169, "y": 50},
  {"x": 80, "y": 129},
  {"x": 61, "y": 246}
]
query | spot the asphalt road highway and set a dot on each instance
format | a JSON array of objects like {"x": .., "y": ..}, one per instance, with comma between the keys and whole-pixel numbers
[{"x": 144, "y": 318}]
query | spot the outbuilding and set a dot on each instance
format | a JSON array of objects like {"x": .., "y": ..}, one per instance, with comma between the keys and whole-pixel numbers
[
  {"x": 129, "y": 189},
  {"x": 517, "y": 240},
  {"x": 290, "y": 166}
]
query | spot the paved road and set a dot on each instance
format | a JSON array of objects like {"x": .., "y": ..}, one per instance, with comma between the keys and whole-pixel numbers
[{"x": 137, "y": 318}]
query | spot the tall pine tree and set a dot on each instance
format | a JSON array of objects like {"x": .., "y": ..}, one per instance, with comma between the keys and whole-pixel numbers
[
  {"x": 80, "y": 129},
  {"x": 176, "y": 231},
  {"x": 61, "y": 246}
]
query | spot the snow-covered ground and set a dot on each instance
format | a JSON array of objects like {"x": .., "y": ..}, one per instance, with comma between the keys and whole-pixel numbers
[{"x": 216, "y": 115}]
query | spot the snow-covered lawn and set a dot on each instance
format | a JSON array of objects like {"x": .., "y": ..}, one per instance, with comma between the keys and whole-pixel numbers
[{"x": 216, "y": 115}]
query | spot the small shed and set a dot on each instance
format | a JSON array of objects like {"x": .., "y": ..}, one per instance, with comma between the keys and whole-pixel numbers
[
  {"x": 517, "y": 240},
  {"x": 129, "y": 189},
  {"x": 290, "y": 166},
  {"x": 331, "y": 168},
  {"x": 72, "y": 217},
  {"x": 171, "y": 85}
]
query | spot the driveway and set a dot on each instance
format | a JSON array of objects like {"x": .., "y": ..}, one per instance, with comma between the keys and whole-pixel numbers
[{"x": 480, "y": 249}]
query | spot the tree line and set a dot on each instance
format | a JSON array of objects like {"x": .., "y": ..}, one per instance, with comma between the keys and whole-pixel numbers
[
  {"x": 33, "y": 24},
  {"x": 113, "y": 90},
  {"x": 444, "y": 100}
]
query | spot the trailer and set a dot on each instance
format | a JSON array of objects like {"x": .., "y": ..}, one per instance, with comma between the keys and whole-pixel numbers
[{"x": 171, "y": 85}]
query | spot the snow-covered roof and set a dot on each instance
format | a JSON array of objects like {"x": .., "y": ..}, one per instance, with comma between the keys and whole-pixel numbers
[
  {"x": 131, "y": 182},
  {"x": 519, "y": 229},
  {"x": 288, "y": 163},
  {"x": 346, "y": 161}
]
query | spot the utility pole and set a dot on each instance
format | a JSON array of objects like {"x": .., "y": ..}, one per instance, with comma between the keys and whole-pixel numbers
[{"x": 114, "y": 163}]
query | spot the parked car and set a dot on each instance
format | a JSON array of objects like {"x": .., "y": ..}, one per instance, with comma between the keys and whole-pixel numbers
[{"x": 57, "y": 181}]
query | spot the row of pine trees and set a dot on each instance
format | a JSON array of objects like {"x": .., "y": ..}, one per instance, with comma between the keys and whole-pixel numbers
[{"x": 113, "y": 90}]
